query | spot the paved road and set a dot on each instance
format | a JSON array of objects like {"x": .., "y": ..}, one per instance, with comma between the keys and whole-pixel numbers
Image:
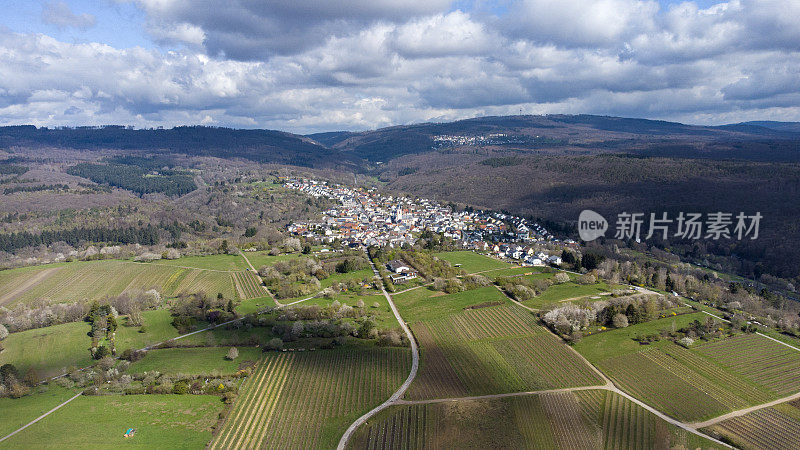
[{"x": 400, "y": 391}]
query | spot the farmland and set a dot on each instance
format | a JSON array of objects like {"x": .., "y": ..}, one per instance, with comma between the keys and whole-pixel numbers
[
  {"x": 307, "y": 399},
  {"x": 707, "y": 380},
  {"x": 94, "y": 280},
  {"x": 161, "y": 421},
  {"x": 584, "y": 419},
  {"x": 248, "y": 285},
  {"x": 492, "y": 350},
  {"x": 777, "y": 427}
]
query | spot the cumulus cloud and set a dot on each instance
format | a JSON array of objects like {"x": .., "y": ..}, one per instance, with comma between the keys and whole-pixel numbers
[
  {"x": 59, "y": 14},
  {"x": 305, "y": 67}
]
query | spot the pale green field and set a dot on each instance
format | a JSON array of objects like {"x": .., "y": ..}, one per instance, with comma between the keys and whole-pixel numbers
[
  {"x": 161, "y": 421},
  {"x": 194, "y": 361},
  {"x": 94, "y": 280},
  {"x": 213, "y": 262},
  {"x": 472, "y": 262},
  {"x": 16, "y": 412}
]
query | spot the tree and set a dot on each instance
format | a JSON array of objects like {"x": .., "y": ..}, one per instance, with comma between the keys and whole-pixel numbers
[
  {"x": 3, "y": 332},
  {"x": 669, "y": 284},
  {"x": 620, "y": 321},
  {"x": 591, "y": 261},
  {"x": 224, "y": 247},
  {"x": 233, "y": 353},
  {"x": 561, "y": 277}
]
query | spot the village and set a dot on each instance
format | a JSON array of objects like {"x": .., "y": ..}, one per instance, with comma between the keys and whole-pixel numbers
[{"x": 366, "y": 218}]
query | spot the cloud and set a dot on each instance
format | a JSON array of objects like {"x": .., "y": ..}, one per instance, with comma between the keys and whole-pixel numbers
[
  {"x": 59, "y": 14},
  {"x": 361, "y": 64}
]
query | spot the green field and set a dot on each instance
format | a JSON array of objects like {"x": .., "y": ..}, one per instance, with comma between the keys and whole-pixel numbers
[
  {"x": 161, "y": 421},
  {"x": 471, "y": 262},
  {"x": 699, "y": 383},
  {"x": 261, "y": 259},
  {"x": 568, "y": 291},
  {"x": 426, "y": 304},
  {"x": 50, "y": 350},
  {"x": 307, "y": 399},
  {"x": 194, "y": 361},
  {"x": 19, "y": 411},
  {"x": 493, "y": 350},
  {"x": 586, "y": 419}
]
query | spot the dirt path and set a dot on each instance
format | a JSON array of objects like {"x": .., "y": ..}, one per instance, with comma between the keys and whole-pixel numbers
[
  {"x": 40, "y": 417},
  {"x": 402, "y": 389},
  {"x": 29, "y": 283},
  {"x": 742, "y": 412}
]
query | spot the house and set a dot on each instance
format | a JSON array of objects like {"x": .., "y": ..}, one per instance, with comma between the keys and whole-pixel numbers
[
  {"x": 555, "y": 260},
  {"x": 401, "y": 272}
]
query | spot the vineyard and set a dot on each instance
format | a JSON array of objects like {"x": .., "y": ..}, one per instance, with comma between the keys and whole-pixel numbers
[
  {"x": 493, "y": 350},
  {"x": 768, "y": 428},
  {"x": 248, "y": 285},
  {"x": 307, "y": 399},
  {"x": 584, "y": 419},
  {"x": 669, "y": 386},
  {"x": 98, "y": 279},
  {"x": 758, "y": 359}
]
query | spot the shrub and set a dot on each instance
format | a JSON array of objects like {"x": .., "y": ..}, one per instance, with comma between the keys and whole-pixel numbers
[
  {"x": 686, "y": 341},
  {"x": 3, "y": 332},
  {"x": 233, "y": 353},
  {"x": 620, "y": 321},
  {"x": 561, "y": 278}
]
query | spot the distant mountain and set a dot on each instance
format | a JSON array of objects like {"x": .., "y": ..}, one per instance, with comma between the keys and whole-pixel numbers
[
  {"x": 266, "y": 146},
  {"x": 793, "y": 127},
  {"x": 567, "y": 133}
]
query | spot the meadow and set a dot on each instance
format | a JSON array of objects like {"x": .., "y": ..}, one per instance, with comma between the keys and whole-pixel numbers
[
  {"x": 583, "y": 419},
  {"x": 471, "y": 262},
  {"x": 426, "y": 304},
  {"x": 307, "y": 399},
  {"x": 194, "y": 361},
  {"x": 19, "y": 411},
  {"x": 161, "y": 421}
]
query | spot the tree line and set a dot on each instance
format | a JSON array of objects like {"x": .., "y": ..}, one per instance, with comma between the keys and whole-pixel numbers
[{"x": 147, "y": 235}]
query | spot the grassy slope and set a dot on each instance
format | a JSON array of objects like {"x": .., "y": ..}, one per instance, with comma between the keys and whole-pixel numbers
[
  {"x": 161, "y": 421},
  {"x": 471, "y": 262},
  {"x": 17, "y": 412},
  {"x": 215, "y": 262},
  {"x": 424, "y": 304}
]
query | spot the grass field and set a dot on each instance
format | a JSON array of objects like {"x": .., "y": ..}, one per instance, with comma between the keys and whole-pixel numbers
[
  {"x": 586, "y": 419},
  {"x": 95, "y": 280},
  {"x": 161, "y": 421},
  {"x": 777, "y": 427},
  {"x": 17, "y": 412},
  {"x": 471, "y": 262},
  {"x": 307, "y": 399},
  {"x": 492, "y": 350},
  {"x": 194, "y": 361},
  {"x": 261, "y": 259},
  {"x": 425, "y": 304},
  {"x": 50, "y": 350},
  {"x": 568, "y": 291},
  {"x": 694, "y": 384}
]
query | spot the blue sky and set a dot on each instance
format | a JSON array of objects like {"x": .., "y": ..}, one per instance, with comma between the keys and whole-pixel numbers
[{"x": 306, "y": 66}]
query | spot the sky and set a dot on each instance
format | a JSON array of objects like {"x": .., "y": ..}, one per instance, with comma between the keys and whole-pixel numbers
[{"x": 308, "y": 66}]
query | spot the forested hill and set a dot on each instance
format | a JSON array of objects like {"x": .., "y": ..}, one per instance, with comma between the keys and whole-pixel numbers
[
  {"x": 572, "y": 134},
  {"x": 265, "y": 146}
]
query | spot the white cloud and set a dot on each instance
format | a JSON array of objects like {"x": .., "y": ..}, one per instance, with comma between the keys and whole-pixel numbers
[
  {"x": 59, "y": 14},
  {"x": 384, "y": 63}
]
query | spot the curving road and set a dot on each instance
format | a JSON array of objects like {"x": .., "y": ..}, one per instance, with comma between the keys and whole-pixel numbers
[{"x": 402, "y": 389}]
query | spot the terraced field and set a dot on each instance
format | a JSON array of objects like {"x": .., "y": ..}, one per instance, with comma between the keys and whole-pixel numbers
[
  {"x": 769, "y": 428},
  {"x": 307, "y": 399},
  {"x": 585, "y": 419},
  {"x": 493, "y": 350}
]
